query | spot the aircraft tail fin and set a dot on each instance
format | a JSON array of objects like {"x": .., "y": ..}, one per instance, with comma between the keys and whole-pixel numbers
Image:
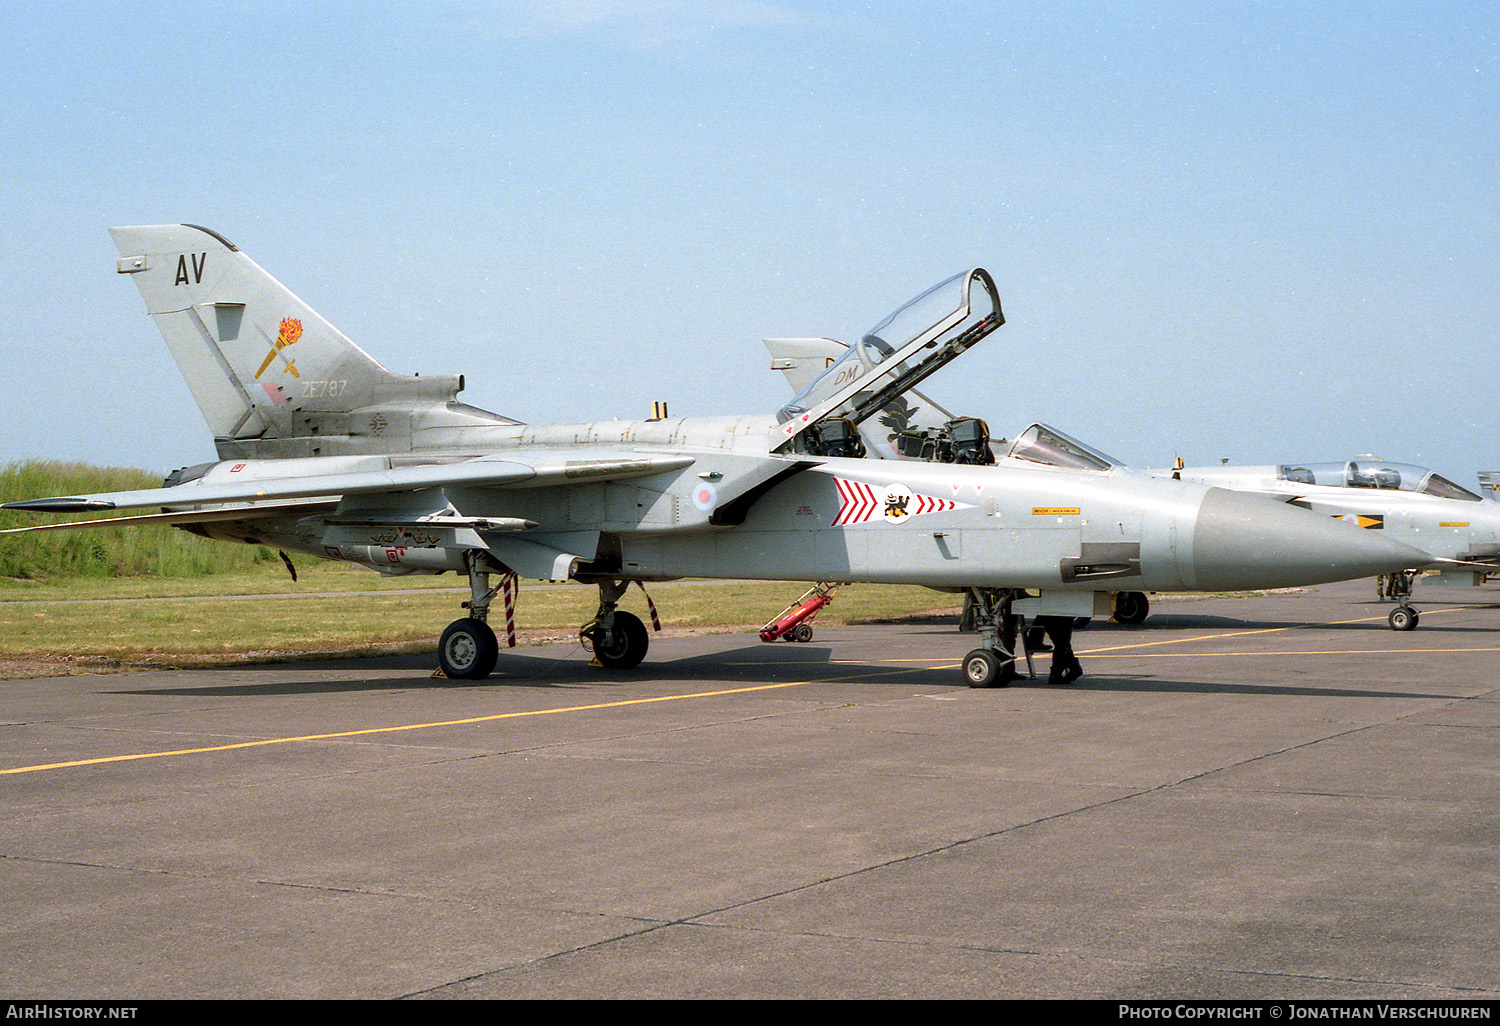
[
  {"x": 267, "y": 372},
  {"x": 803, "y": 359}
]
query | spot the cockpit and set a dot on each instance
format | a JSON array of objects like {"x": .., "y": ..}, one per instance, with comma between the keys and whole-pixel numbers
[
  {"x": 931, "y": 313},
  {"x": 1373, "y": 473},
  {"x": 889, "y": 360}
]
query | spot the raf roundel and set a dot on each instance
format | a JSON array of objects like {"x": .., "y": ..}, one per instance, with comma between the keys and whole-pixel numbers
[{"x": 705, "y": 496}]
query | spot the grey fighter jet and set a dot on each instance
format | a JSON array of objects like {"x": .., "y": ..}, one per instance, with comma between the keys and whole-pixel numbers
[
  {"x": 1405, "y": 503},
  {"x": 324, "y": 451}
]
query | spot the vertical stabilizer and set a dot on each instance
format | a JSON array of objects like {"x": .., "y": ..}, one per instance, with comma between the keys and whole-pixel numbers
[
  {"x": 803, "y": 359},
  {"x": 261, "y": 364}
]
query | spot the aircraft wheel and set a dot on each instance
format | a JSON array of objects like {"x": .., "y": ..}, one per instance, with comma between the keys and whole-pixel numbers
[
  {"x": 468, "y": 650},
  {"x": 625, "y": 646},
  {"x": 983, "y": 669},
  {"x": 803, "y": 633},
  {"x": 1131, "y": 607},
  {"x": 1403, "y": 618}
]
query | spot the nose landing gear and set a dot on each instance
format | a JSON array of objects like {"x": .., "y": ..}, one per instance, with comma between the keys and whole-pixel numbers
[{"x": 993, "y": 665}]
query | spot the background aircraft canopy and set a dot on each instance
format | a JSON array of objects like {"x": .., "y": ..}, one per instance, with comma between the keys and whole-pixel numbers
[
  {"x": 1042, "y": 444},
  {"x": 1373, "y": 473}
]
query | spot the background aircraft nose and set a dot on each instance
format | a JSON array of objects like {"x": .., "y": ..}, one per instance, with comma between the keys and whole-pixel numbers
[{"x": 1247, "y": 541}]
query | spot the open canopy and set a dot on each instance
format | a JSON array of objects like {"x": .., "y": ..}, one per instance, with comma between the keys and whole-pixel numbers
[{"x": 899, "y": 352}]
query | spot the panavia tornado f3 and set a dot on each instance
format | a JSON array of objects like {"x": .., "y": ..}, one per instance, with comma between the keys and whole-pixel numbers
[{"x": 323, "y": 451}]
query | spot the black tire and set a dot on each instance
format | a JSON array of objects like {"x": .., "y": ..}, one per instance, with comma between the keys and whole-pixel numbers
[
  {"x": 625, "y": 645},
  {"x": 1131, "y": 607},
  {"x": 803, "y": 632},
  {"x": 468, "y": 650},
  {"x": 1403, "y": 618},
  {"x": 984, "y": 669}
]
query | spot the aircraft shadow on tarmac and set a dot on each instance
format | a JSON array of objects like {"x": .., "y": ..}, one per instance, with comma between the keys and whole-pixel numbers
[
  {"x": 564, "y": 667},
  {"x": 561, "y": 667}
]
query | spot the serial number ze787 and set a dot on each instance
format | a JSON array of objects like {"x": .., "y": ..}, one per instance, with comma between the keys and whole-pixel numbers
[{"x": 319, "y": 389}]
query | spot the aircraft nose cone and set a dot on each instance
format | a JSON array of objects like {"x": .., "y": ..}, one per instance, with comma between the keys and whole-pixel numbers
[{"x": 1246, "y": 541}]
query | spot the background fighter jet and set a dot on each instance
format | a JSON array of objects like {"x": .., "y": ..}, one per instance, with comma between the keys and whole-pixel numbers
[
  {"x": 1405, "y": 503},
  {"x": 324, "y": 451}
]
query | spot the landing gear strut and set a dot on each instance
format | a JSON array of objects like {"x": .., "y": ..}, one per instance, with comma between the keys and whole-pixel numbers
[
  {"x": 993, "y": 665},
  {"x": 619, "y": 638},
  {"x": 1398, "y": 586},
  {"x": 1395, "y": 586},
  {"x": 469, "y": 649}
]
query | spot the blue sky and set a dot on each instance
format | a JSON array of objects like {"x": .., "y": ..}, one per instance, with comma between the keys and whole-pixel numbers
[{"x": 1254, "y": 231}]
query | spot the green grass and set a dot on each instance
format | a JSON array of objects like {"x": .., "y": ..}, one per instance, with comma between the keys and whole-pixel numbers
[
  {"x": 104, "y": 552},
  {"x": 80, "y": 627},
  {"x": 162, "y": 596}
]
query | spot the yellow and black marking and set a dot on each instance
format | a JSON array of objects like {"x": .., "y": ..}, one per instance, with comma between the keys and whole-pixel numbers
[
  {"x": 1055, "y": 511},
  {"x": 1369, "y": 521}
]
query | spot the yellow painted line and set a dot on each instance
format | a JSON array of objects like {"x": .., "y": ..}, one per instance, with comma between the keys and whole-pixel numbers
[
  {"x": 1299, "y": 652},
  {"x": 1186, "y": 641},
  {"x": 422, "y": 726},
  {"x": 735, "y": 691}
]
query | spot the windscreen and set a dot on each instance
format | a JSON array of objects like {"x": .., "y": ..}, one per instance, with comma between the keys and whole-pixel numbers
[{"x": 1042, "y": 444}]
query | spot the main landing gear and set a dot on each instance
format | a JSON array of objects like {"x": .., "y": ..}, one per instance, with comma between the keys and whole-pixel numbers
[
  {"x": 469, "y": 649},
  {"x": 619, "y": 638},
  {"x": 1131, "y": 607}
]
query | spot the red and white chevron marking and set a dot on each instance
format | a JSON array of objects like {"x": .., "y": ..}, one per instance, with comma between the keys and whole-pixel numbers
[
  {"x": 860, "y": 503},
  {"x": 927, "y": 504},
  {"x": 857, "y": 502}
]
